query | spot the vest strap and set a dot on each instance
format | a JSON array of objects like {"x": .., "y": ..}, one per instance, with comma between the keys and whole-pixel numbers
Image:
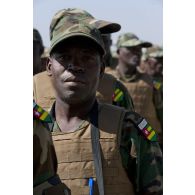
[{"x": 95, "y": 135}]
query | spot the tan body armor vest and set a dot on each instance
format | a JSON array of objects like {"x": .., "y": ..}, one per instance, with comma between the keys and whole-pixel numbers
[
  {"x": 44, "y": 94},
  {"x": 142, "y": 95},
  {"x": 106, "y": 88},
  {"x": 75, "y": 157}
]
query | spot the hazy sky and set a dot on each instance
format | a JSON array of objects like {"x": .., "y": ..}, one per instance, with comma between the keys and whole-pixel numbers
[{"x": 142, "y": 17}]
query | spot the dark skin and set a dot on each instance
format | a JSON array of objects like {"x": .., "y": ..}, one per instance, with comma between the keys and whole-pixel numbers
[
  {"x": 75, "y": 67},
  {"x": 154, "y": 66},
  {"x": 129, "y": 58}
]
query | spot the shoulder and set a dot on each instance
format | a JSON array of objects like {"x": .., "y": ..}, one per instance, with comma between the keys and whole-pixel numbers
[
  {"x": 40, "y": 114},
  {"x": 146, "y": 78},
  {"x": 41, "y": 75},
  {"x": 157, "y": 84},
  {"x": 135, "y": 122}
]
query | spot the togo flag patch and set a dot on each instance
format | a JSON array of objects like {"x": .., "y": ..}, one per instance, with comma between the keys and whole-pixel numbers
[
  {"x": 118, "y": 95},
  {"x": 147, "y": 130},
  {"x": 41, "y": 114}
]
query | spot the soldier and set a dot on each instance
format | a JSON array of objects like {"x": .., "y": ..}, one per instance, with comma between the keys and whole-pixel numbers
[
  {"x": 37, "y": 51},
  {"x": 152, "y": 61},
  {"x": 110, "y": 90},
  {"x": 45, "y": 179},
  {"x": 139, "y": 85},
  {"x": 99, "y": 147}
]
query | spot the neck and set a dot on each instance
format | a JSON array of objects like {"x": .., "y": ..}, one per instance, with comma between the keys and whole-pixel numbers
[
  {"x": 70, "y": 116},
  {"x": 126, "y": 69}
]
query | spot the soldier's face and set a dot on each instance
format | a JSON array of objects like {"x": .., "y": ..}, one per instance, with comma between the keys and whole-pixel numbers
[
  {"x": 75, "y": 68},
  {"x": 130, "y": 55},
  {"x": 154, "y": 66}
]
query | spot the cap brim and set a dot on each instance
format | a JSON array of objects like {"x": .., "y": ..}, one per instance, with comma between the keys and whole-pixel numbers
[
  {"x": 106, "y": 27},
  {"x": 76, "y": 34},
  {"x": 136, "y": 42}
]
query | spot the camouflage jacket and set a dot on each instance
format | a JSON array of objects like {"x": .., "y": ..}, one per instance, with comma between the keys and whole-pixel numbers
[
  {"x": 45, "y": 179},
  {"x": 141, "y": 158},
  {"x": 44, "y": 157}
]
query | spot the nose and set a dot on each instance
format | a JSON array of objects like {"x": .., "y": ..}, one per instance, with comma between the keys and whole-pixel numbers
[{"x": 75, "y": 68}]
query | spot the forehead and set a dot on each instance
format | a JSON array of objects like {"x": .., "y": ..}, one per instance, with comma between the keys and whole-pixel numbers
[
  {"x": 130, "y": 49},
  {"x": 81, "y": 43}
]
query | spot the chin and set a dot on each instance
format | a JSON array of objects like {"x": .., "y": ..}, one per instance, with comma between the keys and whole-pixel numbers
[{"x": 74, "y": 98}]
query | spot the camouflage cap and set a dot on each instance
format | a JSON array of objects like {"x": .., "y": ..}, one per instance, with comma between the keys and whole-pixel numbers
[
  {"x": 74, "y": 15},
  {"x": 63, "y": 31},
  {"x": 45, "y": 53},
  {"x": 131, "y": 40},
  {"x": 155, "y": 51}
]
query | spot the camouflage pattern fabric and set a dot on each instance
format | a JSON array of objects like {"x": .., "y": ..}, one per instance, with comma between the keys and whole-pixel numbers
[
  {"x": 45, "y": 179},
  {"x": 62, "y": 32},
  {"x": 44, "y": 157},
  {"x": 141, "y": 158},
  {"x": 131, "y": 40},
  {"x": 72, "y": 16},
  {"x": 154, "y": 52},
  {"x": 121, "y": 97}
]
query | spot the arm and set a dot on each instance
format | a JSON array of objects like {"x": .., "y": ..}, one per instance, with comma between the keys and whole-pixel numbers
[
  {"x": 125, "y": 99},
  {"x": 142, "y": 159}
]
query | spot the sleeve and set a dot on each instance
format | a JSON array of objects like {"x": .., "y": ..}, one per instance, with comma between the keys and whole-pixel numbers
[
  {"x": 158, "y": 102},
  {"x": 141, "y": 158},
  {"x": 122, "y": 98},
  {"x": 44, "y": 156}
]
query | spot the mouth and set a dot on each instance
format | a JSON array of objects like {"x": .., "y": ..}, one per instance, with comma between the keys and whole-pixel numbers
[{"x": 75, "y": 80}]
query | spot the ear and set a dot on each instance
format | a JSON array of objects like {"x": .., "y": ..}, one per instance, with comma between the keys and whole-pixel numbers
[{"x": 48, "y": 66}]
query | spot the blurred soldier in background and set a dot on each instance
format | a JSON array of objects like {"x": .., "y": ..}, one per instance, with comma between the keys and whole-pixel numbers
[
  {"x": 152, "y": 60},
  {"x": 37, "y": 51},
  {"x": 110, "y": 90},
  {"x": 139, "y": 85},
  {"x": 152, "y": 64},
  {"x": 45, "y": 179}
]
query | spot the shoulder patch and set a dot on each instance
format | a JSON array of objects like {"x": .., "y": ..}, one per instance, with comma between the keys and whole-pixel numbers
[
  {"x": 39, "y": 113},
  {"x": 147, "y": 130},
  {"x": 157, "y": 84},
  {"x": 118, "y": 95},
  {"x": 143, "y": 126}
]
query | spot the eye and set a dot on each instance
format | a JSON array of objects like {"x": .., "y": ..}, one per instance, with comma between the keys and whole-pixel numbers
[
  {"x": 63, "y": 58},
  {"x": 88, "y": 57}
]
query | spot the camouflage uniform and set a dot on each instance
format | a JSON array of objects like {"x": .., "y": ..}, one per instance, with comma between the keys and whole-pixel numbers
[
  {"x": 131, "y": 40},
  {"x": 45, "y": 180},
  {"x": 139, "y": 149},
  {"x": 157, "y": 53},
  {"x": 110, "y": 89}
]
